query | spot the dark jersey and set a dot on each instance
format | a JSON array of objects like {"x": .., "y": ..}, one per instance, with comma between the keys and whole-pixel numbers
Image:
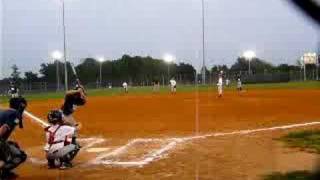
[
  {"x": 10, "y": 118},
  {"x": 70, "y": 101}
]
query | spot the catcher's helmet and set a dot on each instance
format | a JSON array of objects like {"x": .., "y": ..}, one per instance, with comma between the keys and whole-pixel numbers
[{"x": 54, "y": 116}]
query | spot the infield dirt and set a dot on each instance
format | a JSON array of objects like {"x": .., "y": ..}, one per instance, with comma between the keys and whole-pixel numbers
[{"x": 120, "y": 119}]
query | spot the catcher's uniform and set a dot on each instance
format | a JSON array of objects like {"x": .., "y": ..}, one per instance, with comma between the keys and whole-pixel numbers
[{"x": 59, "y": 146}]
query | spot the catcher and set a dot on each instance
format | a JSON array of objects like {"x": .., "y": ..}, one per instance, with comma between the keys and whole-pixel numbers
[{"x": 60, "y": 148}]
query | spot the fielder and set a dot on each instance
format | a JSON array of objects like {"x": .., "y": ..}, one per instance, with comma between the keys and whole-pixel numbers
[
  {"x": 220, "y": 85},
  {"x": 227, "y": 82},
  {"x": 11, "y": 156},
  {"x": 156, "y": 86},
  {"x": 60, "y": 148},
  {"x": 173, "y": 86},
  {"x": 125, "y": 87},
  {"x": 239, "y": 85}
]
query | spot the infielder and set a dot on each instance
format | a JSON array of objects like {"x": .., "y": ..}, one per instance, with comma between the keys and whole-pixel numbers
[
  {"x": 220, "y": 85},
  {"x": 60, "y": 148},
  {"x": 173, "y": 86},
  {"x": 156, "y": 86},
  {"x": 227, "y": 82},
  {"x": 11, "y": 156},
  {"x": 125, "y": 87},
  {"x": 239, "y": 85}
]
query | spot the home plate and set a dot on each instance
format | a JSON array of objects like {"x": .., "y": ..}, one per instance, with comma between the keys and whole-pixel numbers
[{"x": 97, "y": 150}]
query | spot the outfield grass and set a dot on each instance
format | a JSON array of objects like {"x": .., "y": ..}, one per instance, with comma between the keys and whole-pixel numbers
[
  {"x": 297, "y": 175},
  {"x": 184, "y": 88},
  {"x": 290, "y": 85},
  {"x": 308, "y": 139}
]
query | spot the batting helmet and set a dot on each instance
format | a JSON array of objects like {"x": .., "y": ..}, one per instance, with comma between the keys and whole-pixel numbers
[{"x": 54, "y": 116}]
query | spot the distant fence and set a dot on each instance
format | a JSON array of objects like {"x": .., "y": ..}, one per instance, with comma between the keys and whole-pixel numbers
[{"x": 276, "y": 77}]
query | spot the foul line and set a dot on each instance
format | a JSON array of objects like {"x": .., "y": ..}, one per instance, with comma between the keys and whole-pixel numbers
[{"x": 162, "y": 152}]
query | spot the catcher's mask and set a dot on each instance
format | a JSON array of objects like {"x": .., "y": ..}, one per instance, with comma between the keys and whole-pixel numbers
[{"x": 54, "y": 116}]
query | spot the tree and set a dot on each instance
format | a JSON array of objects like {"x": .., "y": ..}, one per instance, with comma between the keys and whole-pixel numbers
[
  {"x": 257, "y": 65},
  {"x": 283, "y": 68},
  {"x": 186, "y": 72},
  {"x": 88, "y": 70},
  {"x": 15, "y": 75},
  {"x": 48, "y": 72},
  {"x": 135, "y": 70},
  {"x": 31, "y": 77}
]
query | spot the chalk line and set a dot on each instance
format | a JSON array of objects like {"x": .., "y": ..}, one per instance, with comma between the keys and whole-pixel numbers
[
  {"x": 162, "y": 152},
  {"x": 173, "y": 142}
]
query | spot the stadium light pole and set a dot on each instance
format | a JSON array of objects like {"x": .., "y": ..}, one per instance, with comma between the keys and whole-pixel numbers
[
  {"x": 303, "y": 67},
  {"x": 64, "y": 46},
  {"x": 318, "y": 61},
  {"x": 203, "y": 45},
  {"x": 101, "y": 60},
  {"x": 168, "y": 58},
  {"x": 57, "y": 56},
  {"x": 249, "y": 55}
]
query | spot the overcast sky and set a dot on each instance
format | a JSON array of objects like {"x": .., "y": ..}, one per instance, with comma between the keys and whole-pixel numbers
[{"x": 31, "y": 29}]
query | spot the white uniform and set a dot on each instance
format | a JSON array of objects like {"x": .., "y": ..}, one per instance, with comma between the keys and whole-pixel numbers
[
  {"x": 239, "y": 84},
  {"x": 220, "y": 86},
  {"x": 58, "y": 136},
  {"x": 125, "y": 86},
  {"x": 227, "y": 82},
  {"x": 173, "y": 85}
]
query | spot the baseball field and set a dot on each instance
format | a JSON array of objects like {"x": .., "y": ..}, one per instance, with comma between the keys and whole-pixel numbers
[{"x": 189, "y": 135}]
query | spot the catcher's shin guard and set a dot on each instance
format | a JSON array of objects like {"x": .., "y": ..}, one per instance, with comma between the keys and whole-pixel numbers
[{"x": 65, "y": 154}]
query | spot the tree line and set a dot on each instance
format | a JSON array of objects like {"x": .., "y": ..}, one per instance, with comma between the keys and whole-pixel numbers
[{"x": 137, "y": 70}]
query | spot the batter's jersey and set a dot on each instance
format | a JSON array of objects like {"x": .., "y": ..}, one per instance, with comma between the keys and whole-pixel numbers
[{"x": 70, "y": 102}]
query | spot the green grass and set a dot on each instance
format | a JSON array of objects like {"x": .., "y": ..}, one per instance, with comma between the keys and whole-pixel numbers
[
  {"x": 297, "y": 175},
  {"x": 290, "y": 85},
  {"x": 184, "y": 88},
  {"x": 308, "y": 139}
]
